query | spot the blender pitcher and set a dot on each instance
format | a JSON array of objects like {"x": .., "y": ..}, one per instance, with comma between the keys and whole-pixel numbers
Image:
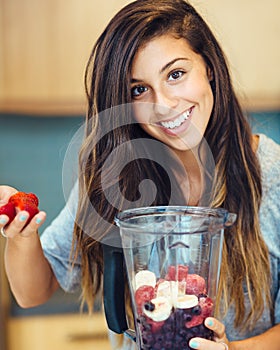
[{"x": 172, "y": 257}]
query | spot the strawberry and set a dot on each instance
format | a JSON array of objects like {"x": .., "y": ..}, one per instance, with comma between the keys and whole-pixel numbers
[
  {"x": 207, "y": 305},
  {"x": 25, "y": 201},
  {"x": 21, "y": 197},
  {"x": 195, "y": 284},
  {"x": 177, "y": 273},
  {"x": 142, "y": 295},
  {"x": 9, "y": 210}
]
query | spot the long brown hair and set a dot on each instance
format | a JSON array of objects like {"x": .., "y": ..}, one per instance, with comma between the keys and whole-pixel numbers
[{"x": 237, "y": 176}]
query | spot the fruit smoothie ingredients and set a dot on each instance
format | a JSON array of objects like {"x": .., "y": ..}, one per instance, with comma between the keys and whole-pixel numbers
[
  {"x": 145, "y": 278},
  {"x": 21, "y": 201},
  {"x": 25, "y": 201},
  {"x": 195, "y": 284},
  {"x": 142, "y": 295},
  {"x": 173, "y": 310},
  {"x": 9, "y": 210},
  {"x": 158, "y": 309}
]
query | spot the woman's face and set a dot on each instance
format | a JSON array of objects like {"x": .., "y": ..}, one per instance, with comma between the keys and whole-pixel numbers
[{"x": 171, "y": 93}]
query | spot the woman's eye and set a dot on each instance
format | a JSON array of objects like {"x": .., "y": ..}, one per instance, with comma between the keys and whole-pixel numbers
[
  {"x": 138, "y": 90},
  {"x": 175, "y": 75}
]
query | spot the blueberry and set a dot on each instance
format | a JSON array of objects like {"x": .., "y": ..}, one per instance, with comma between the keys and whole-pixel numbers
[
  {"x": 168, "y": 344},
  {"x": 149, "y": 306},
  {"x": 187, "y": 317},
  {"x": 147, "y": 338},
  {"x": 169, "y": 336},
  {"x": 168, "y": 327},
  {"x": 196, "y": 310},
  {"x": 159, "y": 338},
  {"x": 183, "y": 333}
]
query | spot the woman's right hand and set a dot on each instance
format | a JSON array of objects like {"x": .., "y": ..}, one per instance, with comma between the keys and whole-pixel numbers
[{"x": 18, "y": 227}]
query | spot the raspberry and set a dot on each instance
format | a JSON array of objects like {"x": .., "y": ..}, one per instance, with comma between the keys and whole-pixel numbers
[
  {"x": 177, "y": 273},
  {"x": 195, "y": 321},
  {"x": 207, "y": 305},
  {"x": 195, "y": 284}
]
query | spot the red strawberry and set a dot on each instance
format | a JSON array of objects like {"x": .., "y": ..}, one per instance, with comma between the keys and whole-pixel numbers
[
  {"x": 142, "y": 295},
  {"x": 25, "y": 201},
  {"x": 177, "y": 273},
  {"x": 207, "y": 306},
  {"x": 195, "y": 321},
  {"x": 32, "y": 197},
  {"x": 9, "y": 210},
  {"x": 20, "y": 197},
  {"x": 195, "y": 284}
]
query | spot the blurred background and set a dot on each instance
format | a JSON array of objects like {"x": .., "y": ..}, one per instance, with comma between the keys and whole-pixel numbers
[{"x": 44, "y": 46}]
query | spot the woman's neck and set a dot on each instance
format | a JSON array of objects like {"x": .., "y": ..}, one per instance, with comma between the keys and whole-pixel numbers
[{"x": 192, "y": 180}]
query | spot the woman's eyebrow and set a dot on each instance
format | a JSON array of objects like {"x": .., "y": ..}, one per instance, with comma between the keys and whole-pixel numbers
[
  {"x": 166, "y": 66},
  {"x": 172, "y": 62},
  {"x": 135, "y": 81}
]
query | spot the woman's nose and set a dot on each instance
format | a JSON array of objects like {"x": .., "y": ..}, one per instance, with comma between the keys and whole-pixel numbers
[{"x": 164, "y": 103}]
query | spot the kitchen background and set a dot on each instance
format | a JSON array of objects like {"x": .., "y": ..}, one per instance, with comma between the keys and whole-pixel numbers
[{"x": 44, "y": 46}]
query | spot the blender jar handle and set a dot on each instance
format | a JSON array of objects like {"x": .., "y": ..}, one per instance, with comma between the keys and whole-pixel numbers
[{"x": 113, "y": 289}]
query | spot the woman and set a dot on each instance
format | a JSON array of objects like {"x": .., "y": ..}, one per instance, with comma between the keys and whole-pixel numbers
[{"x": 159, "y": 61}]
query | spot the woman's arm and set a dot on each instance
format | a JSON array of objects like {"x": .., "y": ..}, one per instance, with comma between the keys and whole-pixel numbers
[
  {"x": 31, "y": 278},
  {"x": 268, "y": 340}
]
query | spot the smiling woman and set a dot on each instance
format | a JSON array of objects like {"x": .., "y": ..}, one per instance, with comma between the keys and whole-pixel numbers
[
  {"x": 175, "y": 82},
  {"x": 159, "y": 92}
]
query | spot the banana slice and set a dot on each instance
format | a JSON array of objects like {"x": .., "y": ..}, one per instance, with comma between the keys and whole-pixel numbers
[
  {"x": 171, "y": 289},
  {"x": 162, "y": 309},
  {"x": 164, "y": 289},
  {"x": 145, "y": 278},
  {"x": 186, "y": 301}
]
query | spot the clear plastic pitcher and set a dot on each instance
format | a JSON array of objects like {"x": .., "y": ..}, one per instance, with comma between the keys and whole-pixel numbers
[{"x": 172, "y": 258}]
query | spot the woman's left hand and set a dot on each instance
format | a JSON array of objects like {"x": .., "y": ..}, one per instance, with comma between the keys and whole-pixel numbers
[{"x": 219, "y": 342}]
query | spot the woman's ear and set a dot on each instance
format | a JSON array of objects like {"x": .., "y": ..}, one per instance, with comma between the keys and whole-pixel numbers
[{"x": 209, "y": 74}]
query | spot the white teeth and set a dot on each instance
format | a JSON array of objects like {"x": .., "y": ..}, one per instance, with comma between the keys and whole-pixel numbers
[{"x": 177, "y": 122}]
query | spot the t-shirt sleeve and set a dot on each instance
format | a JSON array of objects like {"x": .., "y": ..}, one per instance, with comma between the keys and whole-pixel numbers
[
  {"x": 56, "y": 242},
  {"x": 269, "y": 154}
]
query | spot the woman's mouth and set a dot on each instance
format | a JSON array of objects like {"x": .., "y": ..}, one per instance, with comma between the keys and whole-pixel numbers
[{"x": 176, "y": 122}]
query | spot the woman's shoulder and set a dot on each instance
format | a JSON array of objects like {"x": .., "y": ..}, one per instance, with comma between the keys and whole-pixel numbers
[{"x": 269, "y": 156}]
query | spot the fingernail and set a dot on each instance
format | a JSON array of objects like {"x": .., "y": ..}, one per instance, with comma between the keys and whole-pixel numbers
[
  {"x": 38, "y": 220},
  {"x": 3, "y": 220},
  {"x": 194, "y": 344},
  {"x": 22, "y": 218},
  {"x": 210, "y": 323}
]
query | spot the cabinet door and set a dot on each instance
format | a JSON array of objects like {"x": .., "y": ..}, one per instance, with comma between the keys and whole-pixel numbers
[
  {"x": 44, "y": 49},
  {"x": 59, "y": 332}
]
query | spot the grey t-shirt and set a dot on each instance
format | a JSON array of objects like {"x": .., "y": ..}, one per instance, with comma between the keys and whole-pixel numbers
[{"x": 57, "y": 240}]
